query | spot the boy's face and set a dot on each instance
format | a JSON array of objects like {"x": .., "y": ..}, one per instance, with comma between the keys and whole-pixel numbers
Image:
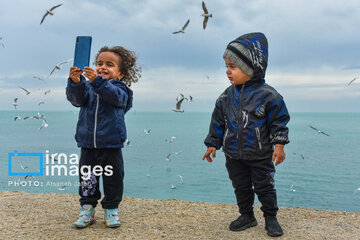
[
  {"x": 107, "y": 66},
  {"x": 235, "y": 74}
]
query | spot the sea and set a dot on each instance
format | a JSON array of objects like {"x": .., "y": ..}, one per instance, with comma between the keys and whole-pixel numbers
[{"x": 320, "y": 171}]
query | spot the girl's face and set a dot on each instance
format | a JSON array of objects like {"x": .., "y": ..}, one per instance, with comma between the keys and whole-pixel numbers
[
  {"x": 107, "y": 66},
  {"x": 235, "y": 74}
]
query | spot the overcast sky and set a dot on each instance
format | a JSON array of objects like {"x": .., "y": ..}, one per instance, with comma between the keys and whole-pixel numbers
[{"x": 314, "y": 49}]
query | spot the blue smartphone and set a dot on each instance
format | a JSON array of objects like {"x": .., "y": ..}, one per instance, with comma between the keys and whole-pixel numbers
[{"x": 82, "y": 51}]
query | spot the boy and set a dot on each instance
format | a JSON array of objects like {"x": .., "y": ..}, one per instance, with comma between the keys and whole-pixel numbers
[{"x": 249, "y": 119}]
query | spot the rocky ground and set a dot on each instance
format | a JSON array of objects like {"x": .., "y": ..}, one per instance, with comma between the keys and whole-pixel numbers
[{"x": 51, "y": 216}]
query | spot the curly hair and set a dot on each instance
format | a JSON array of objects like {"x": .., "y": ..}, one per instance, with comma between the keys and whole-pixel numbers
[{"x": 127, "y": 63}]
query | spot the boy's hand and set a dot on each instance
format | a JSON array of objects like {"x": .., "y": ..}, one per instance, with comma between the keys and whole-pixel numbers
[
  {"x": 210, "y": 150},
  {"x": 279, "y": 154},
  {"x": 75, "y": 73},
  {"x": 90, "y": 73}
]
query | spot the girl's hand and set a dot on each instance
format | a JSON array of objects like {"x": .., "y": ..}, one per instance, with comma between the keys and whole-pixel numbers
[
  {"x": 90, "y": 73},
  {"x": 210, "y": 150},
  {"x": 75, "y": 73},
  {"x": 279, "y": 154}
]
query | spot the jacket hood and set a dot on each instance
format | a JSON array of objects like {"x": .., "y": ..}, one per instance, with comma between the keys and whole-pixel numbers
[
  {"x": 257, "y": 45},
  {"x": 127, "y": 90}
]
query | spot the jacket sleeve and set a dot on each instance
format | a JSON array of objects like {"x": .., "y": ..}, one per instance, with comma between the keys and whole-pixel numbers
[
  {"x": 77, "y": 93},
  {"x": 110, "y": 93},
  {"x": 278, "y": 117},
  {"x": 217, "y": 126}
]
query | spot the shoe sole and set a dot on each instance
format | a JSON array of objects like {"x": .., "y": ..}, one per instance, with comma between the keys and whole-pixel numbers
[
  {"x": 85, "y": 226},
  {"x": 249, "y": 225},
  {"x": 276, "y": 234}
]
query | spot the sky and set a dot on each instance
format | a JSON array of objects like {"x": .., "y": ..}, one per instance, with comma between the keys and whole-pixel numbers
[{"x": 313, "y": 49}]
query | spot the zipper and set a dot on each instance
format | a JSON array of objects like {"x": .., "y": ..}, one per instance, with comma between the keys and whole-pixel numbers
[
  {"x": 240, "y": 129},
  {"x": 226, "y": 133},
  {"x": 96, "y": 113},
  {"x": 257, "y": 131}
]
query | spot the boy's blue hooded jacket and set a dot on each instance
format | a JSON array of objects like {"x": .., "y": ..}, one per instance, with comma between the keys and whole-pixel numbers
[
  {"x": 103, "y": 105},
  {"x": 249, "y": 119}
]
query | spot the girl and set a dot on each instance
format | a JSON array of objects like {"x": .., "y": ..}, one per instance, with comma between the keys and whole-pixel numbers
[{"x": 101, "y": 131}]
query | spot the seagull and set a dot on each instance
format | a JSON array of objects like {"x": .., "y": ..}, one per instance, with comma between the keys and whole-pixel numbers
[
  {"x": 190, "y": 98},
  {"x": 62, "y": 188},
  {"x": 127, "y": 143},
  {"x": 27, "y": 92},
  {"x": 183, "y": 28},
  {"x": 181, "y": 178},
  {"x": 39, "y": 78},
  {"x": 17, "y": 117},
  {"x": 2, "y": 44},
  {"x": 47, "y": 92},
  {"x": 173, "y": 186},
  {"x": 319, "y": 131},
  {"x": 353, "y": 80},
  {"x": 41, "y": 103},
  {"x": 44, "y": 124},
  {"x": 206, "y": 15},
  {"x": 302, "y": 156},
  {"x": 168, "y": 157},
  {"x": 49, "y": 12},
  {"x": 177, "y": 153},
  {"x": 178, "y": 104},
  {"x": 15, "y": 103},
  {"x": 23, "y": 168},
  {"x": 147, "y": 131},
  {"x": 171, "y": 140},
  {"x": 292, "y": 188},
  {"x": 58, "y": 67}
]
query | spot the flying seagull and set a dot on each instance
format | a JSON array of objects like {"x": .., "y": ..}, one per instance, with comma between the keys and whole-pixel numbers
[
  {"x": 44, "y": 124},
  {"x": 47, "y": 92},
  {"x": 27, "y": 92},
  {"x": 39, "y": 78},
  {"x": 183, "y": 28},
  {"x": 178, "y": 103},
  {"x": 292, "y": 188},
  {"x": 147, "y": 131},
  {"x": 15, "y": 103},
  {"x": 353, "y": 80},
  {"x": 2, "y": 44},
  {"x": 49, "y": 12},
  {"x": 206, "y": 15},
  {"x": 319, "y": 131},
  {"x": 58, "y": 67},
  {"x": 302, "y": 156},
  {"x": 17, "y": 117}
]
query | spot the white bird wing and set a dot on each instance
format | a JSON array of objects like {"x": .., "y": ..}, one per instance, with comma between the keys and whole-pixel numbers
[
  {"x": 186, "y": 24},
  {"x": 205, "y": 22},
  {"x": 204, "y": 8},
  {"x": 352, "y": 80},
  {"x": 43, "y": 18},
  {"x": 55, "y": 7},
  {"x": 64, "y": 62},
  {"x": 27, "y": 92},
  {"x": 178, "y": 104},
  {"x": 52, "y": 71},
  {"x": 313, "y": 128}
]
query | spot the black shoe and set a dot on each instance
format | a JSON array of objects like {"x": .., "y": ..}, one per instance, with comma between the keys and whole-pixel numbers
[
  {"x": 243, "y": 222},
  {"x": 273, "y": 227}
]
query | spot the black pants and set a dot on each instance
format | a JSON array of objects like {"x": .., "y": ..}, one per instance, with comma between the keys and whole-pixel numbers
[
  {"x": 89, "y": 189},
  {"x": 249, "y": 176}
]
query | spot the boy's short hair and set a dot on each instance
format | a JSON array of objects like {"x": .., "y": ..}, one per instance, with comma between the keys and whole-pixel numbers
[{"x": 240, "y": 56}]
